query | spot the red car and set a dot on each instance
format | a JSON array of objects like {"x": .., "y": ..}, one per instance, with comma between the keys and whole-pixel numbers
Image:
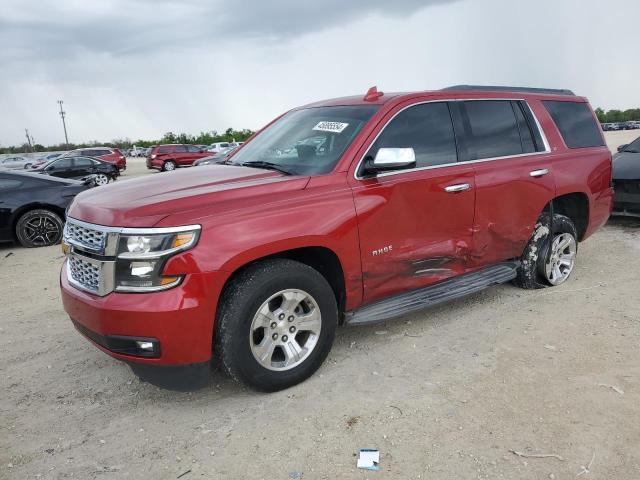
[
  {"x": 169, "y": 157},
  {"x": 352, "y": 210},
  {"x": 106, "y": 154}
]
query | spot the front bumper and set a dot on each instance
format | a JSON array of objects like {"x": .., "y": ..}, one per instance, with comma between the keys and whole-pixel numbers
[
  {"x": 627, "y": 198},
  {"x": 180, "y": 320}
]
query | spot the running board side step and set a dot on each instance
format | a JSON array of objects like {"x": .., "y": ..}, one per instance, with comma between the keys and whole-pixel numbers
[{"x": 433, "y": 294}]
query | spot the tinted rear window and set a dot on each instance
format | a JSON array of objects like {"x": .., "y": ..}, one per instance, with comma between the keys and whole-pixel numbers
[
  {"x": 576, "y": 124},
  {"x": 490, "y": 129}
]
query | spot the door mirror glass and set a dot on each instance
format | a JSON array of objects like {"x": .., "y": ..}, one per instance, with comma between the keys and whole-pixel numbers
[
  {"x": 622, "y": 147},
  {"x": 393, "y": 159}
]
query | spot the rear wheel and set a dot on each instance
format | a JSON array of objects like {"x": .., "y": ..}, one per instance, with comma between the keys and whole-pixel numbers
[
  {"x": 102, "y": 179},
  {"x": 276, "y": 324},
  {"x": 550, "y": 255},
  {"x": 39, "y": 228},
  {"x": 168, "y": 166}
]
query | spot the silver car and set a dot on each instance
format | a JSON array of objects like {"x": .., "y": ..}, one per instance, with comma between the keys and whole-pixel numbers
[{"x": 15, "y": 163}]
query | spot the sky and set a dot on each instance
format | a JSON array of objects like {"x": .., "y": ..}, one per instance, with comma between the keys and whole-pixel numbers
[{"x": 140, "y": 68}]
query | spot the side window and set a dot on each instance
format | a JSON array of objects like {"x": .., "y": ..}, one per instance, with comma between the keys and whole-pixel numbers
[
  {"x": 86, "y": 152},
  {"x": 490, "y": 129},
  {"x": 61, "y": 164},
  {"x": 576, "y": 123},
  {"x": 7, "y": 184},
  {"x": 83, "y": 162},
  {"x": 179, "y": 149},
  {"x": 427, "y": 128},
  {"x": 164, "y": 149},
  {"x": 193, "y": 149}
]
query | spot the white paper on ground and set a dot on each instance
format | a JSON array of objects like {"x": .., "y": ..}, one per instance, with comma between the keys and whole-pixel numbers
[{"x": 369, "y": 459}]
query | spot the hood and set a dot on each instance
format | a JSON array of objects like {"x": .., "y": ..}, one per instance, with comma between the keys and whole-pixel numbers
[
  {"x": 626, "y": 166},
  {"x": 144, "y": 201}
]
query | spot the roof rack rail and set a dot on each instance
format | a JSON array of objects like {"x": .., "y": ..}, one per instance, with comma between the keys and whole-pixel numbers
[{"x": 495, "y": 88}]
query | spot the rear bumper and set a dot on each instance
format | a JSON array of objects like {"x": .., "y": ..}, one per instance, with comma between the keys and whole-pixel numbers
[
  {"x": 180, "y": 321},
  {"x": 154, "y": 164}
]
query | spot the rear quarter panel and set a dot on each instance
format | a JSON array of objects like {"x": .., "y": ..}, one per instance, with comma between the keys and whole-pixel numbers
[{"x": 580, "y": 170}]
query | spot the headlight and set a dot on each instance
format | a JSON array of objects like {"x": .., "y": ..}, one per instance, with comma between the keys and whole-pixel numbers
[
  {"x": 142, "y": 255},
  {"x": 153, "y": 156}
]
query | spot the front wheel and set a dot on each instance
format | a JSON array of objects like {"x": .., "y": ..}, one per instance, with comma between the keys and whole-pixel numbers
[
  {"x": 550, "y": 255},
  {"x": 276, "y": 324}
]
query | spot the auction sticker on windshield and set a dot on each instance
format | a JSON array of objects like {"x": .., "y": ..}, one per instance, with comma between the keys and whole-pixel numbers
[{"x": 333, "y": 127}]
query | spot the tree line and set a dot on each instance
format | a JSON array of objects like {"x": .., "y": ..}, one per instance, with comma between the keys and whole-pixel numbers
[
  {"x": 615, "y": 116},
  {"x": 203, "y": 138}
]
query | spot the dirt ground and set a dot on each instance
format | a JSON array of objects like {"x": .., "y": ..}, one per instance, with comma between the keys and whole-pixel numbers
[{"x": 447, "y": 393}]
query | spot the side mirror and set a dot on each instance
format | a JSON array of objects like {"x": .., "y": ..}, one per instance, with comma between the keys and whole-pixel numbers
[
  {"x": 622, "y": 147},
  {"x": 389, "y": 159}
]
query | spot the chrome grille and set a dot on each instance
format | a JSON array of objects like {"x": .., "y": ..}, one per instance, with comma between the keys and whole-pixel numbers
[
  {"x": 84, "y": 273},
  {"x": 85, "y": 236}
]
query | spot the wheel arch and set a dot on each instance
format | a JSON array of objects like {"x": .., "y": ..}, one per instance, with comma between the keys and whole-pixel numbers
[
  {"x": 320, "y": 258},
  {"x": 34, "y": 206},
  {"x": 574, "y": 205}
]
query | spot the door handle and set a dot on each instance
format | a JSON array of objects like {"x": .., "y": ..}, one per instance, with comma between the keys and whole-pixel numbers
[
  {"x": 539, "y": 173},
  {"x": 459, "y": 187}
]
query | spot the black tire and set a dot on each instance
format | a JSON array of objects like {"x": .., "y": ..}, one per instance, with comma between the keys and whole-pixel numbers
[
  {"x": 39, "y": 228},
  {"x": 531, "y": 272},
  {"x": 242, "y": 299},
  {"x": 172, "y": 166}
]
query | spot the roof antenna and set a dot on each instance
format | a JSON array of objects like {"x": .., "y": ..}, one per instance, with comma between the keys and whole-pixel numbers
[{"x": 373, "y": 94}]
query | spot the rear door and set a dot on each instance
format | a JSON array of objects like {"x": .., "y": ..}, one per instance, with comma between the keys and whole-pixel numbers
[
  {"x": 83, "y": 166},
  {"x": 193, "y": 153},
  {"x": 415, "y": 225},
  {"x": 181, "y": 155},
  {"x": 513, "y": 174}
]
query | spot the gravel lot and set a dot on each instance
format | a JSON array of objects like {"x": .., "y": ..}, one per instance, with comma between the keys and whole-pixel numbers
[{"x": 450, "y": 392}]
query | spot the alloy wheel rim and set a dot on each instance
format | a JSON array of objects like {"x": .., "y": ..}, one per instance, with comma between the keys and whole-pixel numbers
[
  {"x": 41, "y": 231},
  {"x": 169, "y": 166},
  {"x": 102, "y": 179},
  {"x": 562, "y": 259},
  {"x": 285, "y": 330}
]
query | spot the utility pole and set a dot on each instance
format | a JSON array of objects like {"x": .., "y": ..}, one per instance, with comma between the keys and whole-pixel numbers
[
  {"x": 29, "y": 139},
  {"x": 64, "y": 125}
]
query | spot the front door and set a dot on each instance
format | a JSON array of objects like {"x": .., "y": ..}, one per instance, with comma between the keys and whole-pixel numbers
[{"x": 415, "y": 225}]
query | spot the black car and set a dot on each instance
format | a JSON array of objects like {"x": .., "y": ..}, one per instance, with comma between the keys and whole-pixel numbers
[
  {"x": 32, "y": 207},
  {"x": 626, "y": 179},
  {"x": 80, "y": 167}
]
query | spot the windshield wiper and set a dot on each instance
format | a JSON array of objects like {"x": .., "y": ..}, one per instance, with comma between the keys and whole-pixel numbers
[{"x": 268, "y": 166}]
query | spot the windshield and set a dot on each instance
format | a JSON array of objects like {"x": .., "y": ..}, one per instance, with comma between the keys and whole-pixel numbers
[
  {"x": 308, "y": 141},
  {"x": 633, "y": 147}
]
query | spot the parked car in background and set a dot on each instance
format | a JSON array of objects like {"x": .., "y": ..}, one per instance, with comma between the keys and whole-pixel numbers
[
  {"x": 170, "y": 157},
  {"x": 410, "y": 200},
  {"x": 80, "y": 167},
  {"x": 46, "y": 159},
  {"x": 107, "y": 154},
  {"x": 213, "y": 159},
  {"x": 609, "y": 127},
  {"x": 626, "y": 179},
  {"x": 33, "y": 207},
  {"x": 15, "y": 163},
  {"x": 219, "y": 147}
]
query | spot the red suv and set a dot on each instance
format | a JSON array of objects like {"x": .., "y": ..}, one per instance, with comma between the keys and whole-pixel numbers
[
  {"x": 352, "y": 210},
  {"x": 169, "y": 157},
  {"x": 107, "y": 154}
]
